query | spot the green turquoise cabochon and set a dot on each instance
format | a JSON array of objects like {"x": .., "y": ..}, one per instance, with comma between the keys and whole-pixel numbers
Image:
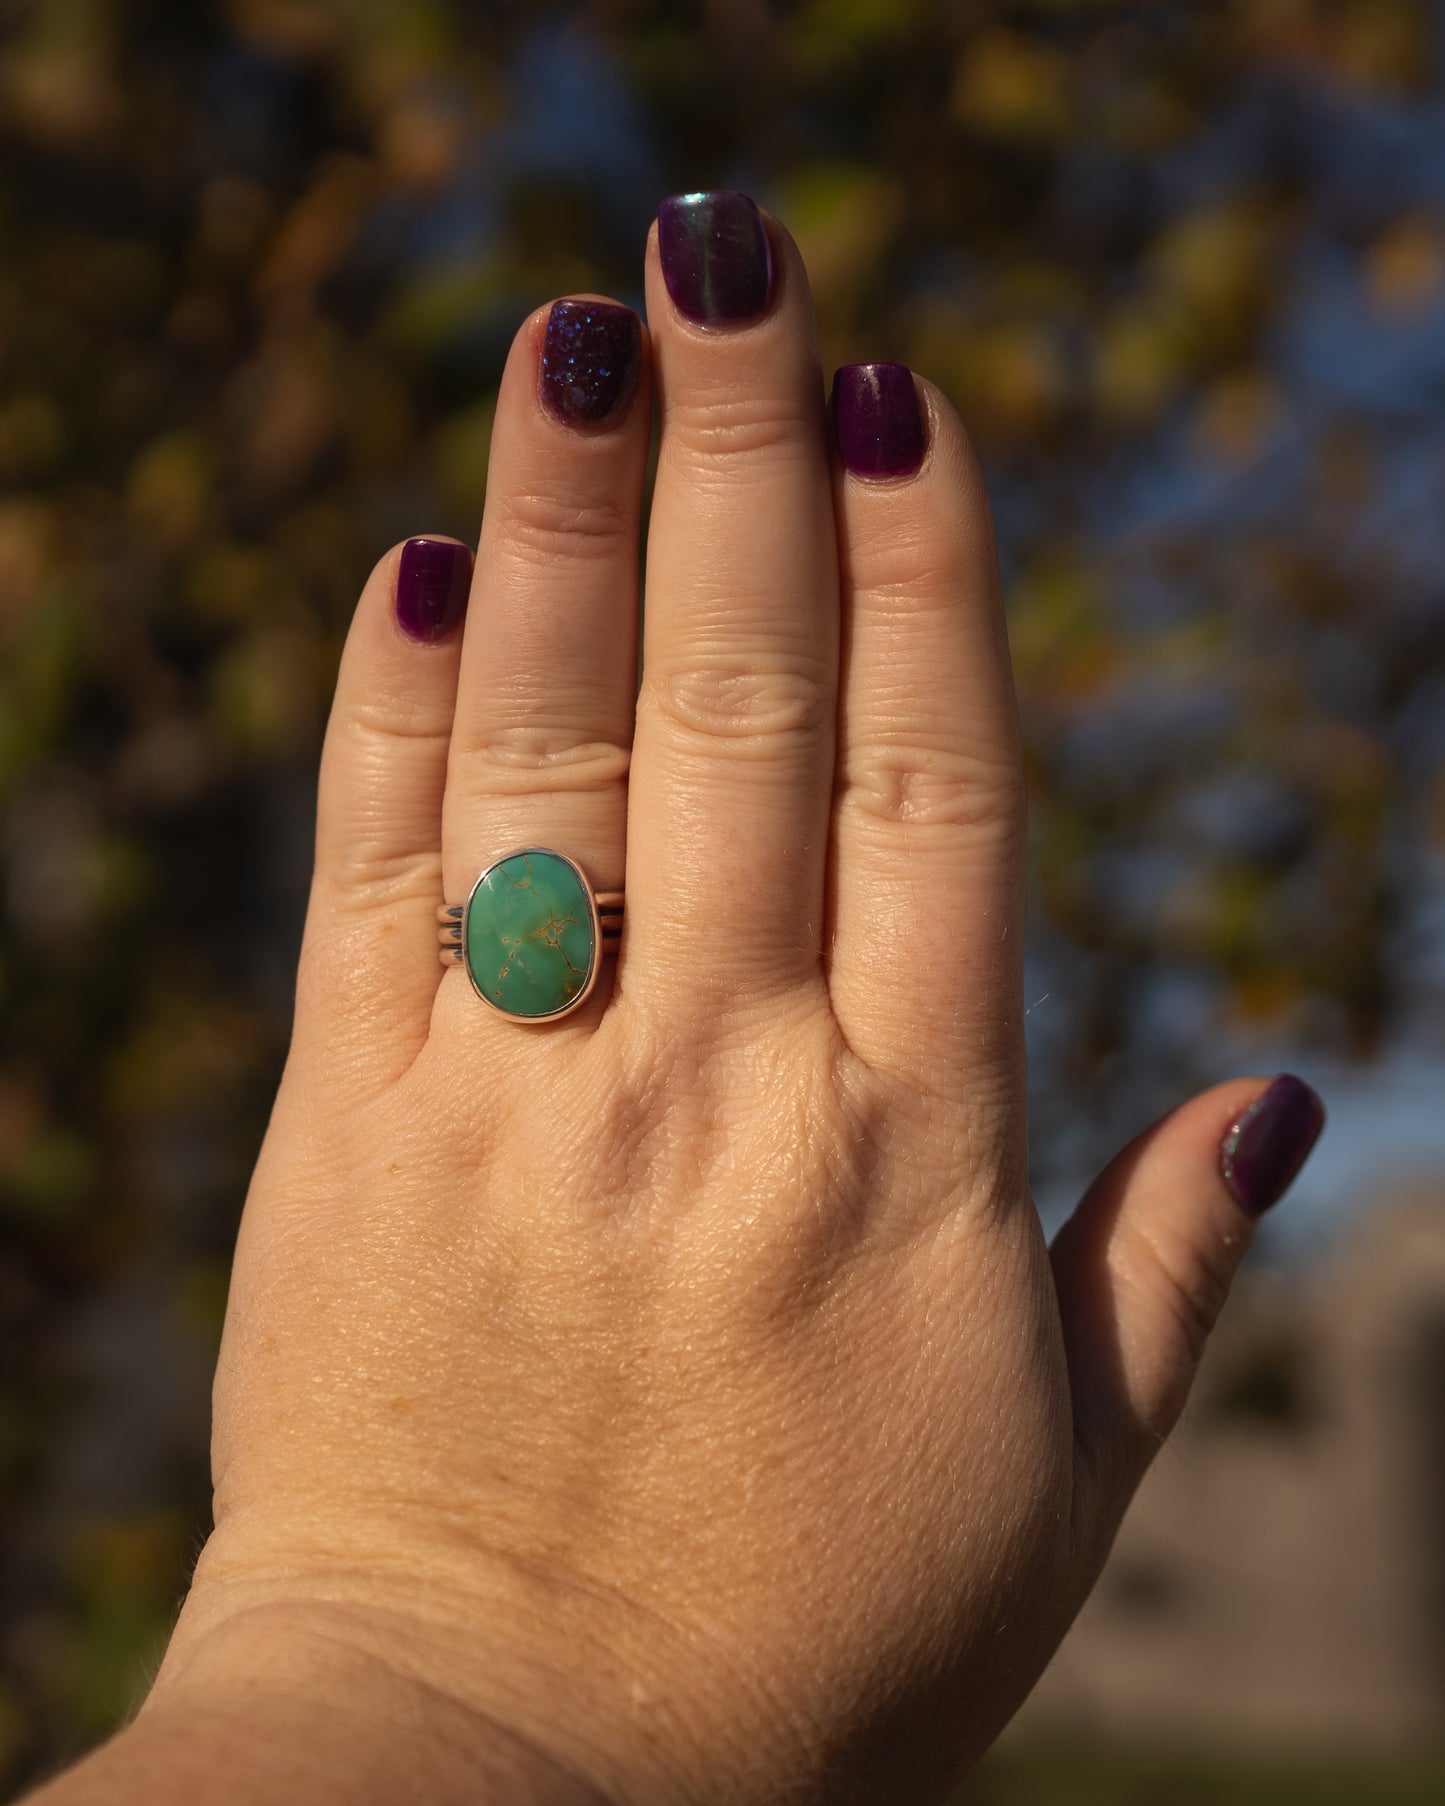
[{"x": 530, "y": 935}]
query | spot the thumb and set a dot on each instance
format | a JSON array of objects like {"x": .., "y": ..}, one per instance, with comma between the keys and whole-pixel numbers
[{"x": 1144, "y": 1265}]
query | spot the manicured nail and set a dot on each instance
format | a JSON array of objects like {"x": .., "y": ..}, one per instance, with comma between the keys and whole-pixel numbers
[
  {"x": 716, "y": 259},
  {"x": 431, "y": 587},
  {"x": 590, "y": 357},
  {"x": 1262, "y": 1153},
  {"x": 877, "y": 420}
]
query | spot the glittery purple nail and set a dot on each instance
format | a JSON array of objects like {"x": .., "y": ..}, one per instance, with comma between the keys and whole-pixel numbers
[
  {"x": 716, "y": 259},
  {"x": 877, "y": 420},
  {"x": 432, "y": 584},
  {"x": 1266, "y": 1148},
  {"x": 590, "y": 358}
]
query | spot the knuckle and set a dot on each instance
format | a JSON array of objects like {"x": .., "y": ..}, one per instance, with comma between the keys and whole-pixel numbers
[
  {"x": 377, "y": 764},
  {"x": 910, "y": 562},
  {"x": 539, "y": 527},
  {"x": 923, "y": 787},
  {"x": 899, "y": 568},
  {"x": 731, "y": 426},
  {"x": 527, "y": 759},
  {"x": 750, "y": 710},
  {"x": 1191, "y": 1281},
  {"x": 372, "y": 730},
  {"x": 367, "y": 870}
]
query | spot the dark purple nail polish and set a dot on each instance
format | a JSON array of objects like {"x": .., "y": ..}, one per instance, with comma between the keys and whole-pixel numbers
[
  {"x": 716, "y": 259},
  {"x": 1261, "y": 1154},
  {"x": 432, "y": 582},
  {"x": 590, "y": 357},
  {"x": 877, "y": 420}
]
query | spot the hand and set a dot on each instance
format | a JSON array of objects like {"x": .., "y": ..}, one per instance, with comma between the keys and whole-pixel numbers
[{"x": 681, "y": 1394}]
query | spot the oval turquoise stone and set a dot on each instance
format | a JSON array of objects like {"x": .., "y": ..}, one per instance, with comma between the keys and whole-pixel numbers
[{"x": 528, "y": 940}]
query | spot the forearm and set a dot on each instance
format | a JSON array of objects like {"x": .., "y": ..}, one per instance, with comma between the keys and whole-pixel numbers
[{"x": 279, "y": 1711}]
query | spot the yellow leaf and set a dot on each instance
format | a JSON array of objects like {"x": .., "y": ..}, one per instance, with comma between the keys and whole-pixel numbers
[
  {"x": 1010, "y": 85},
  {"x": 171, "y": 488},
  {"x": 1138, "y": 366},
  {"x": 842, "y": 218}
]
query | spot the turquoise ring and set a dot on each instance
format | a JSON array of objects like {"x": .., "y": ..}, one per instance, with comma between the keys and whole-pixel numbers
[{"x": 531, "y": 934}]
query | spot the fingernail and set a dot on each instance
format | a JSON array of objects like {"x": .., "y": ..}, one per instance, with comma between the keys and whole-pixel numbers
[
  {"x": 431, "y": 587},
  {"x": 1266, "y": 1148},
  {"x": 877, "y": 420},
  {"x": 716, "y": 259},
  {"x": 590, "y": 357}
]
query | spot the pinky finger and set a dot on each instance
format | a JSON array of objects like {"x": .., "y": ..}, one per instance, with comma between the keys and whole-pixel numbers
[
  {"x": 1145, "y": 1264},
  {"x": 369, "y": 969}
]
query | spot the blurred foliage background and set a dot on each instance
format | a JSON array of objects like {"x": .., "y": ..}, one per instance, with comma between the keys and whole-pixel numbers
[{"x": 1182, "y": 268}]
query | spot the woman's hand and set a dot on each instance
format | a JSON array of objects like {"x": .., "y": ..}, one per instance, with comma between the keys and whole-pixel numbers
[{"x": 680, "y": 1397}]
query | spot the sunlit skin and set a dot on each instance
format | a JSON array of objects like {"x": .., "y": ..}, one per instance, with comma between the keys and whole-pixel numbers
[{"x": 678, "y": 1402}]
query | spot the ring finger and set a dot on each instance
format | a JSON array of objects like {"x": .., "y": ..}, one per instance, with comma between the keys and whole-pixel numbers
[{"x": 543, "y": 730}]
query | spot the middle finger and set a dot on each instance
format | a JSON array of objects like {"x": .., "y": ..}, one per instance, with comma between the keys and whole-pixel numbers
[{"x": 733, "y": 757}]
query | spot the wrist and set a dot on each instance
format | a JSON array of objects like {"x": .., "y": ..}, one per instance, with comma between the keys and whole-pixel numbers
[
  {"x": 554, "y": 1684},
  {"x": 282, "y": 1703}
]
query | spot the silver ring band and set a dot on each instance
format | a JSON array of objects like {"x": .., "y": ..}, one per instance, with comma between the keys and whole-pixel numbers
[{"x": 451, "y": 915}]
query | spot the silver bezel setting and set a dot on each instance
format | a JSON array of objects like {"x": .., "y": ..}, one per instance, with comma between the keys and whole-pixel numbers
[{"x": 595, "y": 963}]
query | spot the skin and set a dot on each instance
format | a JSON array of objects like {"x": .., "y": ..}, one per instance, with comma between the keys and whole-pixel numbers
[{"x": 677, "y": 1402}]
